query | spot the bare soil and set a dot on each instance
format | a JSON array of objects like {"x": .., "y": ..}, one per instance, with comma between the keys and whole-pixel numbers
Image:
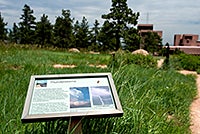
[
  {"x": 73, "y": 66},
  {"x": 195, "y": 106}
]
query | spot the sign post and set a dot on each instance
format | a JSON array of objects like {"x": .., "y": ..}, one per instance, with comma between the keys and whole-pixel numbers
[
  {"x": 73, "y": 96},
  {"x": 75, "y": 126}
]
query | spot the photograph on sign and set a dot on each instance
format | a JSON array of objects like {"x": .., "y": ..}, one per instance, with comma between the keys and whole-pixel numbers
[
  {"x": 57, "y": 96},
  {"x": 79, "y": 97}
]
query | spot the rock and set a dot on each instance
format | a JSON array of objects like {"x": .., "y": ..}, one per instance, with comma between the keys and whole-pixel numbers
[
  {"x": 160, "y": 63},
  {"x": 140, "y": 51},
  {"x": 74, "y": 50},
  {"x": 92, "y": 52},
  {"x": 63, "y": 66}
]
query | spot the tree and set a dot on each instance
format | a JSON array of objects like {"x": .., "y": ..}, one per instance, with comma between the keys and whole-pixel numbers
[
  {"x": 82, "y": 34},
  {"x": 43, "y": 31},
  {"x": 152, "y": 42},
  {"x": 121, "y": 17},
  {"x": 94, "y": 36},
  {"x": 63, "y": 30},
  {"x": 106, "y": 37},
  {"x": 131, "y": 39},
  {"x": 27, "y": 26},
  {"x": 3, "y": 30},
  {"x": 14, "y": 34}
]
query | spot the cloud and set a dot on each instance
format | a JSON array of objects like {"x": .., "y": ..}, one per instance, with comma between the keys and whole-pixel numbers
[
  {"x": 100, "y": 91},
  {"x": 169, "y": 16},
  {"x": 4, "y": 3},
  {"x": 76, "y": 94}
]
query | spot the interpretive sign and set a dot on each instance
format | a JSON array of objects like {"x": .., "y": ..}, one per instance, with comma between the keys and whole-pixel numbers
[{"x": 72, "y": 95}]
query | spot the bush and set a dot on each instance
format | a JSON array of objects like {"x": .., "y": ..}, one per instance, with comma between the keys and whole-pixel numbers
[
  {"x": 198, "y": 71},
  {"x": 185, "y": 61},
  {"x": 123, "y": 58}
]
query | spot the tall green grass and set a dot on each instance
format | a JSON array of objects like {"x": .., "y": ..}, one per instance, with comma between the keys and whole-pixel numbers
[
  {"x": 185, "y": 61},
  {"x": 153, "y": 100}
]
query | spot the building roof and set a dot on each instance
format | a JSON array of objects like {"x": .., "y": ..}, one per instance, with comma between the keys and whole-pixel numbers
[{"x": 145, "y": 24}]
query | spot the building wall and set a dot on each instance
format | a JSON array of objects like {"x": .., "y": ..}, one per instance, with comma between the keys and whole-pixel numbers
[
  {"x": 198, "y": 43},
  {"x": 148, "y": 27},
  {"x": 194, "y": 50},
  {"x": 144, "y": 28},
  {"x": 177, "y": 39},
  {"x": 188, "y": 43},
  {"x": 186, "y": 40}
]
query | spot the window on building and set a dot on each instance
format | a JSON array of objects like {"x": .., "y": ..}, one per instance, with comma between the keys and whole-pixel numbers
[{"x": 188, "y": 37}]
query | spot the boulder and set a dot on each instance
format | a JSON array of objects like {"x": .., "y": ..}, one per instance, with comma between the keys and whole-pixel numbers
[
  {"x": 140, "y": 51},
  {"x": 74, "y": 50}
]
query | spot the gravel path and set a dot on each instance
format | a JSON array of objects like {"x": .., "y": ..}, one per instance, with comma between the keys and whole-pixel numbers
[
  {"x": 195, "y": 111},
  {"x": 195, "y": 106}
]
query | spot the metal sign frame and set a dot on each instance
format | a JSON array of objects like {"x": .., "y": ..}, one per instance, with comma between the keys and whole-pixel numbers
[{"x": 52, "y": 97}]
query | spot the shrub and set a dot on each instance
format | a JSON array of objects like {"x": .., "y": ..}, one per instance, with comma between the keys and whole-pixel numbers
[
  {"x": 185, "y": 61},
  {"x": 122, "y": 58},
  {"x": 198, "y": 71}
]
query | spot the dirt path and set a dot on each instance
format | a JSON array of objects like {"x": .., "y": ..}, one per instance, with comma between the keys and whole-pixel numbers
[
  {"x": 195, "y": 111},
  {"x": 195, "y": 106}
]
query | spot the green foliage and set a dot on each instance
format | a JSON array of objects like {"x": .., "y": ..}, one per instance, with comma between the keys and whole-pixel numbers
[
  {"x": 14, "y": 34},
  {"x": 27, "y": 26},
  {"x": 106, "y": 37},
  {"x": 121, "y": 17},
  {"x": 153, "y": 101},
  {"x": 122, "y": 58},
  {"x": 3, "y": 30},
  {"x": 131, "y": 39},
  {"x": 198, "y": 71},
  {"x": 116, "y": 32},
  {"x": 94, "y": 37},
  {"x": 152, "y": 42},
  {"x": 43, "y": 31},
  {"x": 82, "y": 34},
  {"x": 63, "y": 30},
  {"x": 185, "y": 61}
]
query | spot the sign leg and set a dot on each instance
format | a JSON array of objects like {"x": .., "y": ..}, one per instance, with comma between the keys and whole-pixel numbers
[{"x": 75, "y": 126}]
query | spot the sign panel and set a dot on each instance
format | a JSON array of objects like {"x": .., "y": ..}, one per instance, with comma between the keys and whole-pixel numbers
[{"x": 72, "y": 95}]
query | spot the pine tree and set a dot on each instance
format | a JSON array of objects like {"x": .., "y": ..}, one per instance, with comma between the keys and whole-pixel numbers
[
  {"x": 121, "y": 17},
  {"x": 43, "y": 32},
  {"x": 63, "y": 30},
  {"x": 82, "y": 34},
  {"x": 94, "y": 36},
  {"x": 27, "y": 26},
  {"x": 3, "y": 30},
  {"x": 106, "y": 38},
  {"x": 152, "y": 42},
  {"x": 131, "y": 39},
  {"x": 14, "y": 34}
]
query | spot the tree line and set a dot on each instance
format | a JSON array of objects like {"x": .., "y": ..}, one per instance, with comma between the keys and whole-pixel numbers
[{"x": 117, "y": 31}]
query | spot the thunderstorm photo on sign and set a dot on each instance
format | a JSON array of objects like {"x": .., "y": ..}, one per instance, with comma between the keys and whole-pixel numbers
[
  {"x": 101, "y": 95},
  {"x": 79, "y": 97}
]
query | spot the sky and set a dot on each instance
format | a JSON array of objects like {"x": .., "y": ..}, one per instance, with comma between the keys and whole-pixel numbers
[{"x": 170, "y": 16}]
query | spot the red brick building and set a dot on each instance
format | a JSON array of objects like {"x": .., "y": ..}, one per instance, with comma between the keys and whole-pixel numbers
[
  {"x": 144, "y": 28},
  {"x": 188, "y": 43},
  {"x": 186, "y": 40}
]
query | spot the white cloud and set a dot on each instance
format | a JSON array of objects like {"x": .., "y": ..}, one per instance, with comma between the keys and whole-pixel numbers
[
  {"x": 76, "y": 93},
  {"x": 4, "y": 3},
  {"x": 170, "y": 16}
]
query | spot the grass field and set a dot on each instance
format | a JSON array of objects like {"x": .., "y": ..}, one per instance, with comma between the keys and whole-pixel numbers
[{"x": 153, "y": 100}]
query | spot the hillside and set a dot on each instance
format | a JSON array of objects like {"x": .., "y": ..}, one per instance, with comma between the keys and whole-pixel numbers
[{"x": 153, "y": 100}]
